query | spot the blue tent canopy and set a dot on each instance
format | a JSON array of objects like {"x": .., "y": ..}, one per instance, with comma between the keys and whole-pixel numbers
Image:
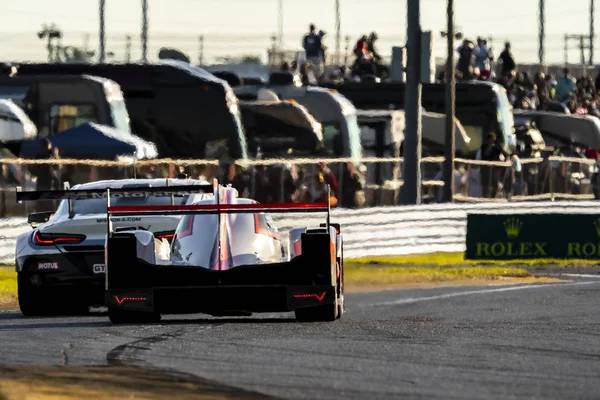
[{"x": 93, "y": 141}]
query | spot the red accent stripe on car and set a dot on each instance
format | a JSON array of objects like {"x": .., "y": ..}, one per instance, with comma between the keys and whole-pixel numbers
[{"x": 220, "y": 207}]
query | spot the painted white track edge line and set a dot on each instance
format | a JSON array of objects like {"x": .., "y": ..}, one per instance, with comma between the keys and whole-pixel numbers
[
  {"x": 471, "y": 292},
  {"x": 582, "y": 276}
]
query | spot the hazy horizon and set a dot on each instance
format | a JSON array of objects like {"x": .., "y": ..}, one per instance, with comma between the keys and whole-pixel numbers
[{"x": 244, "y": 27}]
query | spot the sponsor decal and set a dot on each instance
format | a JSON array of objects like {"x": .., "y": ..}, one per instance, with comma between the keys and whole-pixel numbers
[
  {"x": 124, "y": 219},
  {"x": 85, "y": 195},
  {"x": 533, "y": 236},
  {"x": 99, "y": 268},
  {"x": 47, "y": 265}
]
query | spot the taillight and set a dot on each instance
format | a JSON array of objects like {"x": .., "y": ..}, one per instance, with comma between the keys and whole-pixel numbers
[
  {"x": 165, "y": 235},
  {"x": 42, "y": 239}
]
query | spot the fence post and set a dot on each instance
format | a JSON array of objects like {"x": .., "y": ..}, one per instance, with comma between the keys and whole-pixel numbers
[
  {"x": 551, "y": 183},
  {"x": 281, "y": 184},
  {"x": 340, "y": 182}
]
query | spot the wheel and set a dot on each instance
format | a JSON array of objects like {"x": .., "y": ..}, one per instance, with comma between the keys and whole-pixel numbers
[
  {"x": 132, "y": 317},
  {"x": 340, "y": 284},
  {"x": 38, "y": 302},
  {"x": 32, "y": 301},
  {"x": 324, "y": 313}
]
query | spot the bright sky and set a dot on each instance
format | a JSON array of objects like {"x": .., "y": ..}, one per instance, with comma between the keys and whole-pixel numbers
[{"x": 239, "y": 27}]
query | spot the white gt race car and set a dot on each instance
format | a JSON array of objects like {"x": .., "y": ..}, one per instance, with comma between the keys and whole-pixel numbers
[{"x": 61, "y": 263}]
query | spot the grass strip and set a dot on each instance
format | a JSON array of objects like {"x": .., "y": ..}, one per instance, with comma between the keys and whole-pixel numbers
[
  {"x": 96, "y": 383},
  {"x": 8, "y": 286},
  {"x": 356, "y": 275},
  {"x": 457, "y": 259}
]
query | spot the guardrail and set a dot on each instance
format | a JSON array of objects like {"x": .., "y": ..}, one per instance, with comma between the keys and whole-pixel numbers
[{"x": 380, "y": 231}]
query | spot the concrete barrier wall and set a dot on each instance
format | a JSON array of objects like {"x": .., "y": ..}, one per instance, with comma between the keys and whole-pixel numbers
[{"x": 382, "y": 230}]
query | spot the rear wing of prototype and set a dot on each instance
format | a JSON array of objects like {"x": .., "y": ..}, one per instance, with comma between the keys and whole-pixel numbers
[{"x": 217, "y": 208}]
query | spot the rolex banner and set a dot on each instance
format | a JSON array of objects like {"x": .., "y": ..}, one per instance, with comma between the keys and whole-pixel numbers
[{"x": 533, "y": 236}]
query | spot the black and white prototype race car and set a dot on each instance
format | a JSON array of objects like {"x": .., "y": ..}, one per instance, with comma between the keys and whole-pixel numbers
[
  {"x": 226, "y": 259},
  {"x": 61, "y": 262}
]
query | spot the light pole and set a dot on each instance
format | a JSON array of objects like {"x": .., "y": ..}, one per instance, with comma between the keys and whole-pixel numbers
[
  {"x": 411, "y": 189},
  {"x": 101, "y": 10},
  {"x": 144, "y": 35},
  {"x": 449, "y": 149}
]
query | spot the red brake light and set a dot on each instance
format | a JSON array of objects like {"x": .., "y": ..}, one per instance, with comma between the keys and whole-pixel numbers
[
  {"x": 164, "y": 235},
  {"x": 56, "y": 238}
]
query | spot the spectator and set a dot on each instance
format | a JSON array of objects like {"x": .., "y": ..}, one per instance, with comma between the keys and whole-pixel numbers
[
  {"x": 465, "y": 59},
  {"x": 508, "y": 61},
  {"x": 351, "y": 185},
  {"x": 482, "y": 58},
  {"x": 312, "y": 47},
  {"x": 329, "y": 176},
  {"x": 319, "y": 191},
  {"x": 323, "y": 51},
  {"x": 236, "y": 180},
  {"x": 360, "y": 48},
  {"x": 566, "y": 86},
  {"x": 43, "y": 172},
  {"x": 490, "y": 151}
]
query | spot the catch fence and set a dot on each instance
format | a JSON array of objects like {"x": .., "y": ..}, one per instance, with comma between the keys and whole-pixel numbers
[{"x": 374, "y": 182}]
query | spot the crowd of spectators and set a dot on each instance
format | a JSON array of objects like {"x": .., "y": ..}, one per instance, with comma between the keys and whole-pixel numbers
[{"x": 546, "y": 92}]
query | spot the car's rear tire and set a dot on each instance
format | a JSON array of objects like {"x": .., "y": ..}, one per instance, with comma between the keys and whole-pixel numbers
[
  {"x": 32, "y": 301},
  {"x": 324, "y": 313},
  {"x": 41, "y": 302},
  {"x": 132, "y": 317},
  {"x": 340, "y": 283}
]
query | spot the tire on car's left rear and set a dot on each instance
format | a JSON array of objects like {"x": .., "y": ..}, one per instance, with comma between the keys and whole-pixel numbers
[
  {"x": 32, "y": 301},
  {"x": 39, "y": 301}
]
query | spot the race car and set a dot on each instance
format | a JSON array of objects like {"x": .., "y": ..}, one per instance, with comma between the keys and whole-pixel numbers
[
  {"x": 60, "y": 263},
  {"x": 227, "y": 258}
]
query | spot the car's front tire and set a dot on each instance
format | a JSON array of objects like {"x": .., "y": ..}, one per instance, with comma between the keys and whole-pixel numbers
[{"x": 118, "y": 316}]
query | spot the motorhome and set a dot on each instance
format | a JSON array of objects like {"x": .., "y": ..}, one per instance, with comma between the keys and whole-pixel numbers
[
  {"x": 481, "y": 107},
  {"x": 281, "y": 129},
  {"x": 55, "y": 103},
  {"x": 336, "y": 114},
  {"x": 184, "y": 110}
]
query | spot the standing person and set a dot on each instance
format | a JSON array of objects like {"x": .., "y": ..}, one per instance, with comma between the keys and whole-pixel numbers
[
  {"x": 566, "y": 86},
  {"x": 312, "y": 47},
  {"x": 323, "y": 52},
  {"x": 508, "y": 61},
  {"x": 482, "y": 58},
  {"x": 491, "y": 151},
  {"x": 465, "y": 59}
]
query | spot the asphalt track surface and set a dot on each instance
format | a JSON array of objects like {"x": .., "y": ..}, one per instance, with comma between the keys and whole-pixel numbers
[{"x": 538, "y": 341}]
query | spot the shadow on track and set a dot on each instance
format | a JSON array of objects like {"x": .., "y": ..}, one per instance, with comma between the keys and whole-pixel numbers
[{"x": 49, "y": 322}]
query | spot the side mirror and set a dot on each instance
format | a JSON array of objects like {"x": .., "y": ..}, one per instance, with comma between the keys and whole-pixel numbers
[{"x": 39, "y": 218}]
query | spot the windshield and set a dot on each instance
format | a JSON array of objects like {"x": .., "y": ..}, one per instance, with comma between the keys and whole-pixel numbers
[
  {"x": 332, "y": 136},
  {"x": 119, "y": 114},
  {"x": 241, "y": 135},
  {"x": 505, "y": 116},
  {"x": 98, "y": 206}
]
